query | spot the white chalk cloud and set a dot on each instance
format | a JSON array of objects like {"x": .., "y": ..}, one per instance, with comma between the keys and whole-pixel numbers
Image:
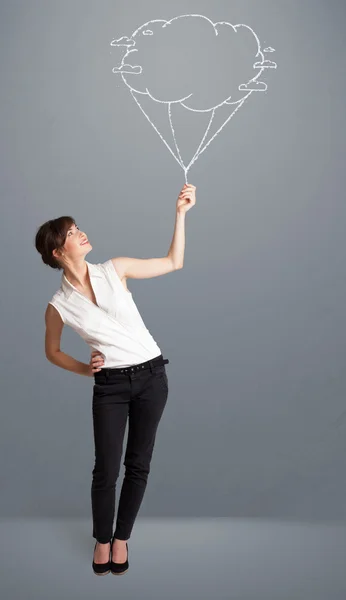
[
  {"x": 129, "y": 69},
  {"x": 192, "y": 60},
  {"x": 253, "y": 86},
  {"x": 265, "y": 64},
  {"x": 123, "y": 41}
]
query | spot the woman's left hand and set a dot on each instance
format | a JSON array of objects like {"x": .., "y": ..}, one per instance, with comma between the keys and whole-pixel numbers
[{"x": 186, "y": 198}]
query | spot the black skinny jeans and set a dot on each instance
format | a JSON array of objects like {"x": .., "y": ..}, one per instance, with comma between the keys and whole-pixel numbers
[{"x": 139, "y": 393}]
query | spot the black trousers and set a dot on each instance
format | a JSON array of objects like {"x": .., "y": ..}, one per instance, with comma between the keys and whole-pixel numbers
[{"x": 139, "y": 394}]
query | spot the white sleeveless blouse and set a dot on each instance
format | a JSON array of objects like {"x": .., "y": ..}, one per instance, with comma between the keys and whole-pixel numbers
[{"x": 114, "y": 327}]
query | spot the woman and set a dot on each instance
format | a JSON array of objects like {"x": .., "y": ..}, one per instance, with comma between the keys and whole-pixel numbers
[{"x": 130, "y": 379}]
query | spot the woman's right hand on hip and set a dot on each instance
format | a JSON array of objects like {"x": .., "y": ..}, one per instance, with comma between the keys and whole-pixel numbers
[{"x": 96, "y": 363}]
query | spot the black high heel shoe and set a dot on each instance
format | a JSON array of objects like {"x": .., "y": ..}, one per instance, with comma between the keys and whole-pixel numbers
[
  {"x": 119, "y": 568},
  {"x": 101, "y": 568}
]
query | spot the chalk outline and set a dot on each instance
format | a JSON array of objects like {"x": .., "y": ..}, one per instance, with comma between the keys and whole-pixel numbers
[{"x": 239, "y": 103}]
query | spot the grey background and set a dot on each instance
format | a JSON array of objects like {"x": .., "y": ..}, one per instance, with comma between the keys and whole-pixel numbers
[{"x": 254, "y": 324}]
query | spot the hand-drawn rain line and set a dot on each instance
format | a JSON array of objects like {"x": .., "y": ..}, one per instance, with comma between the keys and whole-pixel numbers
[{"x": 252, "y": 85}]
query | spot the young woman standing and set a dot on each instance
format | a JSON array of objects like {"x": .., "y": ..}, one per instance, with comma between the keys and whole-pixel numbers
[{"x": 130, "y": 379}]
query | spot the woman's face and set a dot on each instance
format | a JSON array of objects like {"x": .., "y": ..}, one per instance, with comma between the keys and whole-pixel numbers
[{"x": 74, "y": 246}]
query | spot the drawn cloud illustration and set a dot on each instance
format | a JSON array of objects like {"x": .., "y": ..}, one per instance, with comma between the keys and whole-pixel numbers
[
  {"x": 123, "y": 41},
  {"x": 265, "y": 64},
  {"x": 254, "y": 86},
  {"x": 192, "y": 64},
  {"x": 128, "y": 69}
]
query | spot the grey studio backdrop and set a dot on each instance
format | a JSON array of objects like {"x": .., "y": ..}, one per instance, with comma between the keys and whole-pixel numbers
[{"x": 253, "y": 325}]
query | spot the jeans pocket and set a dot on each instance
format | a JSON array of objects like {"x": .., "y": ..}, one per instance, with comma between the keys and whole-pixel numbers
[
  {"x": 160, "y": 374},
  {"x": 103, "y": 390}
]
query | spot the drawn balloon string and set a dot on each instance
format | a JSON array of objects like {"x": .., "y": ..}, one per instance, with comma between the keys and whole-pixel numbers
[{"x": 155, "y": 38}]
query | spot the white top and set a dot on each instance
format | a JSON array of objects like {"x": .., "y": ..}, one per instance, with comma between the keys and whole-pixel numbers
[{"x": 114, "y": 327}]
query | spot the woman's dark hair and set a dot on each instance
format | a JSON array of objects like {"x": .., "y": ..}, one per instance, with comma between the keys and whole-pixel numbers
[{"x": 52, "y": 235}]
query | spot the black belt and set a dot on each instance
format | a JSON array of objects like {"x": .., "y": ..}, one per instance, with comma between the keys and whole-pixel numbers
[{"x": 148, "y": 364}]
